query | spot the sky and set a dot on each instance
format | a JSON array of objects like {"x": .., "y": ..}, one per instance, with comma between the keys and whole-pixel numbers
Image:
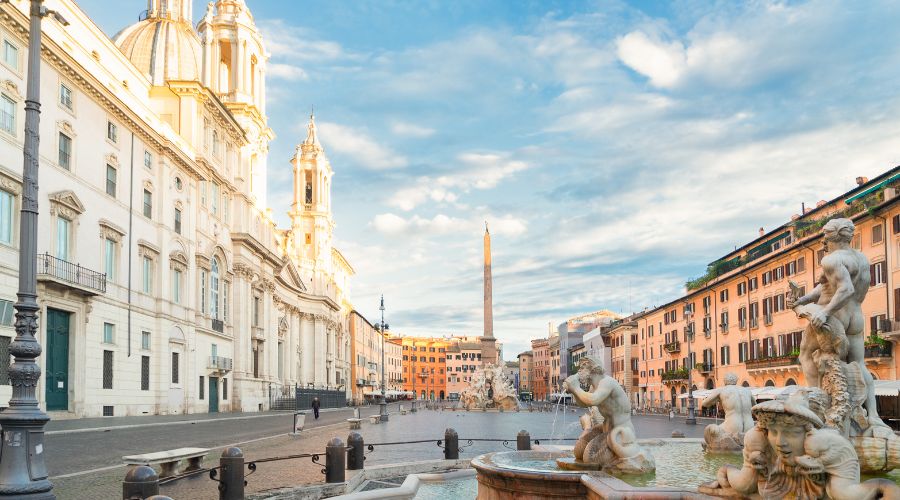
[{"x": 615, "y": 148}]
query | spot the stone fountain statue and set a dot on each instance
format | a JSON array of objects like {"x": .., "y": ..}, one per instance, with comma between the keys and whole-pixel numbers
[
  {"x": 490, "y": 389},
  {"x": 608, "y": 442},
  {"x": 814, "y": 444},
  {"x": 736, "y": 401}
]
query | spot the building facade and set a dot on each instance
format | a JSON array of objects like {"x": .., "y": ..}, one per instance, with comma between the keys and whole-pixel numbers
[
  {"x": 541, "y": 370},
  {"x": 737, "y": 312},
  {"x": 424, "y": 366},
  {"x": 526, "y": 372},
  {"x": 164, "y": 285},
  {"x": 511, "y": 369}
]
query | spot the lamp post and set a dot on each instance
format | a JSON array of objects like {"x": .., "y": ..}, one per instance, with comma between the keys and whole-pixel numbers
[
  {"x": 23, "y": 473},
  {"x": 383, "y": 410},
  {"x": 689, "y": 329}
]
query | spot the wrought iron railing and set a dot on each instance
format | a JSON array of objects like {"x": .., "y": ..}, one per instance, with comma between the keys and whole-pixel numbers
[
  {"x": 217, "y": 325},
  {"x": 220, "y": 363},
  {"x": 772, "y": 362},
  {"x": 673, "y": 347},
  {"x": 48, "y": 265},
  {"x": 878, "y": 351}
]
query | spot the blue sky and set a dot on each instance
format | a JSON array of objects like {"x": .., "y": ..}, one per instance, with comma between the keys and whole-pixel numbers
[{"x": 615, "y": 148}]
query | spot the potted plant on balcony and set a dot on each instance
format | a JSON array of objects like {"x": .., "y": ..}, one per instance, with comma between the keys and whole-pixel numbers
[{"x": 875, "y": 340}]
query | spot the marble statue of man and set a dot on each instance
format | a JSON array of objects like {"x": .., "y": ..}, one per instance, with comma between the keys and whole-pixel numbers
[
  {"x": 736, "y": 401},
  {"x": 842, "y": 286},
  {"x": 612, "y": 445}
]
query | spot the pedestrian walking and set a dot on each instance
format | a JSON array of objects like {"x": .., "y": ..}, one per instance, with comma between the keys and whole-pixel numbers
[
  {"x": 671, "y": 414},
  {"x": 316, "y": 405}
]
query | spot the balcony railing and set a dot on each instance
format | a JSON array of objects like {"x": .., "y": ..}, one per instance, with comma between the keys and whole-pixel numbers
[
  {"x": 878, "y": 351},
  {"x": 772, "y": 362},
  {"x": 704, "y": 367},
  {"x": 220, "y": 363},
  {"x": 887, "y": 326},
  {"x": 218, "y": 325},
  {"x": 672, "y": 347},
  {"x": 674, "y": 375},
  {"x": 61, "y": 270}
]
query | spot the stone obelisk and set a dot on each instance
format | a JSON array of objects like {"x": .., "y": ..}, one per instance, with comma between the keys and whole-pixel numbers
[{"x": 488, "y": 342}]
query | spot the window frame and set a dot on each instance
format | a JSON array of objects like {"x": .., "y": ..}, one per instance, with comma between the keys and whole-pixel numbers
[
  {"x": 70, "y": 104},
  {"x": 17, "y": 66},
  {"x": 14, "y": 116},
  {"x": 115, "y": 181}
]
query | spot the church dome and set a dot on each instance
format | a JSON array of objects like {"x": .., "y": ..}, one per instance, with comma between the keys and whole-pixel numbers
[{"x": 164, "y": 46}]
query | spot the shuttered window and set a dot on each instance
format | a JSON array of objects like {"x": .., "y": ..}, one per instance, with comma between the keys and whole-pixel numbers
[{"x": 107, "y": 369}]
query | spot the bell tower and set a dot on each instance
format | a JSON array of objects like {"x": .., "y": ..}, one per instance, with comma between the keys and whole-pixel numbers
[
  {"x": 312, "y": 223},
  {"x": 234, "y": 68}
]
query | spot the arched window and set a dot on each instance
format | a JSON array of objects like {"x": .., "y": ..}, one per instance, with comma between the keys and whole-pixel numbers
[
  {"x": 214, "y": 289},
  {"x": 769, "y": 383},
  {"x": 790, "y": 381},
  {"x": 745, "y": 384}
]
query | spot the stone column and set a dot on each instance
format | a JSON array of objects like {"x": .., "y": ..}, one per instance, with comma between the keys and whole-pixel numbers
[
  {"x": 307, "y": 343},
  {"x": 320, "y": 338}
]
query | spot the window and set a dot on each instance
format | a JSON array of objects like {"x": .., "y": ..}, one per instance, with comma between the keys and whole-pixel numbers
[
  {"x": 65, "y": 96},
  {"x": 65, "y": 151},
  {"x": 895, "y": 222},
  {"x": 856, "y": 242},
  {"x": 178, "y": 221},
  {"x": 7, "y": 115},
  {"x": 778, "y": 273},
  {"x": 255, "y": 311},
  {"x": 107, "y": 369},
  {"x": 145, "y": 341},
  {"x": 767, "y": 278},
  {"x": 876, "y": 274},
  {"x": 109, "y": 258},
  {"x": 109, "y": 333},
  {"x": 723, "y": 295},
  {"x": 754, "y": 283},
  {"x": 877, "y": 236},
  {"x": 214, "y": 289},
  {"x": 820, "y": 255},
  {"x": 112, "y": 131},
  {"x": 148, "y": 204},
  {"x": 6, "y": 217},
  {"x": 202, "y": 388},
  {"x": 175, "y": 367},
  {"x": 111, "y": 180},
  {"x": 176, "y": 286},
  {"x": 801, "y": 264},
  {"x": 723, "y": 321},
  {"x": 147, "y": 274},
  {"x": 724, "y": 356},
  {"x": 203, "y": 291},
  {"x": 741, "y": 288},
  {"x": 6, "y": 314},
  {"x": 148, "y": 159},
  {"x": 10, "y": 55},
  {"x": 63, "y": 227},
  {"x": 145, "y": 373}
]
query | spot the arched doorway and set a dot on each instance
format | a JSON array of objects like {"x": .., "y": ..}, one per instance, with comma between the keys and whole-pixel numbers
[
  {"x": 673, "y": 396},
  {"x": 745, "y": 384},
  {"x": 710, "y": 384},
  {"x": 682, "y": 391},
  {"x": 442, "y": 395},
  {"x": 790, "y": 381},
  {"x": 423, "y": 394},
  {"x": 432, "y": 395},
  {"x": 769, "y": 383}
]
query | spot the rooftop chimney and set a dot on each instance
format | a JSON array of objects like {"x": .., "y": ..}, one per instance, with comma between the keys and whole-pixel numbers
[{"x": 861, "y": 180}]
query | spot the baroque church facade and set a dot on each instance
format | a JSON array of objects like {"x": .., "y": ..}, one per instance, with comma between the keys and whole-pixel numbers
[{"x": 164, "y": 284}]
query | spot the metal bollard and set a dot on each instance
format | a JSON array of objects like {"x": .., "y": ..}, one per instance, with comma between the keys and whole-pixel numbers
[
  {"x": 356, "y": 455},
  {"x": 140, "y": 482},
  {"x": 334, "y": 461},
  {"x": 451, "y": 445},
  {"x": 232, "y": 474},
  {"x": 523, "y": 440}
]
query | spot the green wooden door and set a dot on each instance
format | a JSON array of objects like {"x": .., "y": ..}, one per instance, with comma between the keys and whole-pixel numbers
[
  {"x": 213, "y": 394},
  {"x": 57, "y": 359}
]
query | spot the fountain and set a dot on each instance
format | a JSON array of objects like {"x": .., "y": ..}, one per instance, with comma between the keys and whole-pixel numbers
[
  {"x": 811, "y": 445},
  {"x": 490, "y": 389}
]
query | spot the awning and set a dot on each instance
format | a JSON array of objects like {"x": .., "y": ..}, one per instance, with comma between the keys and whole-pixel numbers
[
  {"x": 887, "y": 387},
  {"x": 760, "y": 393},
  {"x": 698, "y": 394}
]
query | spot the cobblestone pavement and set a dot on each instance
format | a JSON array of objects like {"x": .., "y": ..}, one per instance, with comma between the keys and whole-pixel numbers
[{"x": 101, "y": 449}]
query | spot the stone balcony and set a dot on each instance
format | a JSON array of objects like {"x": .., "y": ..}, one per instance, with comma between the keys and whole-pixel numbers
[
  {"x": 704, "y": 368},
  {"x": 72, "y": 276},
  {"x": 774, "y": 363},
  {"x": 674, "y": 376},
  {"x": 672, "y": 347}
]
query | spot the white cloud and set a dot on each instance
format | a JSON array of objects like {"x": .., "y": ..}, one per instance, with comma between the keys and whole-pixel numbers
[
  {"x": 358, "y": 145},
  {"x": 392, "y": 224},
  {"x": 662, "y": 63},
  {"x": 477, "y": 171},
  {"x": 286, "y": 72},
  {"x": 411, "y": 130},
  {"x": 297, "y": 43}
]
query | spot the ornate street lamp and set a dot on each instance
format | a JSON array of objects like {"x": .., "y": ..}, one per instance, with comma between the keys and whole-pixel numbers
[
  {"x": 689, "y": 329},
  {"x": 22, "y": 469},
  {"x": 383, "y": 414}
]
